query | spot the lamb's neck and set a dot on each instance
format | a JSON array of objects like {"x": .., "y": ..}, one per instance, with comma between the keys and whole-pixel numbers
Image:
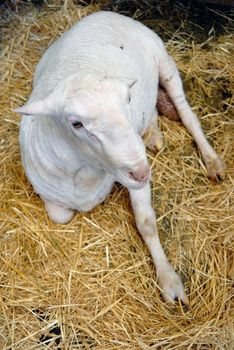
[
  {"x": 55, "y": 143},
  {"x": 63, "y": 149}
]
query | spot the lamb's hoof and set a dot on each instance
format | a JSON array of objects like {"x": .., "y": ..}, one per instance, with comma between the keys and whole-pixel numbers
[
  {"x": 58, "y": 214},
  {"x": 216, "y": 168},
  {"x": 172, "y": 287},
  {"x": 154, "y": 141}
]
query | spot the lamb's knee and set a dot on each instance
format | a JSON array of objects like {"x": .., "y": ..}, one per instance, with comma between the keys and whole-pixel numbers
[
  {"x": 147, "y": 226},
  {"x": 58, "y": 214}
]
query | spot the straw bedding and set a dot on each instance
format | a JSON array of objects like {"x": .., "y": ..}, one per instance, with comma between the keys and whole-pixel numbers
[{"x": 91, "y": 284}]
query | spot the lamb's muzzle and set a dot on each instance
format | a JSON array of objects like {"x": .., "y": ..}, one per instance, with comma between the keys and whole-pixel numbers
[{"x": 141, "y": 173}]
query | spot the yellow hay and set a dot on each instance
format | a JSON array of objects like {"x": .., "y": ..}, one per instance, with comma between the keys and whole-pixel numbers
[{"x": 93, "y": 279}]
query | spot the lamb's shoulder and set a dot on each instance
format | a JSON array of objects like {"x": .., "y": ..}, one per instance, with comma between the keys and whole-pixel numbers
[{"x": 81, "y": 189}]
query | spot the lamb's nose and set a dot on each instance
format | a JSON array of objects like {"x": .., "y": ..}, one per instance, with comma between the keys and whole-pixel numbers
[{"x": 141, "y": 173}]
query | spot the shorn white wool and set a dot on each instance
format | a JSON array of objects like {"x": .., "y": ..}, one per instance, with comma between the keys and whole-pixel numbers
[{"x": 94, "y": 96}]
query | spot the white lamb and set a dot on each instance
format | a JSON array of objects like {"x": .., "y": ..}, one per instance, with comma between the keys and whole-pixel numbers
[{"x": 94, "y": 96}]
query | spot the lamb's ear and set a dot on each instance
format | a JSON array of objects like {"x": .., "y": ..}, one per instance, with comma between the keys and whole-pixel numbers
[{"x": 39, "y": 108}]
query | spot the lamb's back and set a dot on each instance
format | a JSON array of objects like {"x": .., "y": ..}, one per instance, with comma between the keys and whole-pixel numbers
[{"x": 103, "y": 42}]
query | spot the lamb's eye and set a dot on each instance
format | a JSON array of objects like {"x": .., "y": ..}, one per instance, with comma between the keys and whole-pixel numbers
[
  {"x": 129, "y": 98},
  {"x": 76, "y": 124}
]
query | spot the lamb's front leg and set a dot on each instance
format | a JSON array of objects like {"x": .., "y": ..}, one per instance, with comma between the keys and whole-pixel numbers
[
  {"x": 169, "y": 282},
  {"x": 153, "y": 138}
]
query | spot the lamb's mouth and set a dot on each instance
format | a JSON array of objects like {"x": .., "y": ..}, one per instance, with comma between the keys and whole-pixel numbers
[{"x": 129, "y": 181}]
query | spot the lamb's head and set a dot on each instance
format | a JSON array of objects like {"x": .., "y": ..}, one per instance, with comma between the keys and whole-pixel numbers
[{"x": 96, "y": 112}]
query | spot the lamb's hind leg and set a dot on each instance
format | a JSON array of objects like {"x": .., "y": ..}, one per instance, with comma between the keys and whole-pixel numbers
[
  {"x": 169, "y": 282},
  {"x": 171, "y": 81},
  {"x": 58, "y": 214}
]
